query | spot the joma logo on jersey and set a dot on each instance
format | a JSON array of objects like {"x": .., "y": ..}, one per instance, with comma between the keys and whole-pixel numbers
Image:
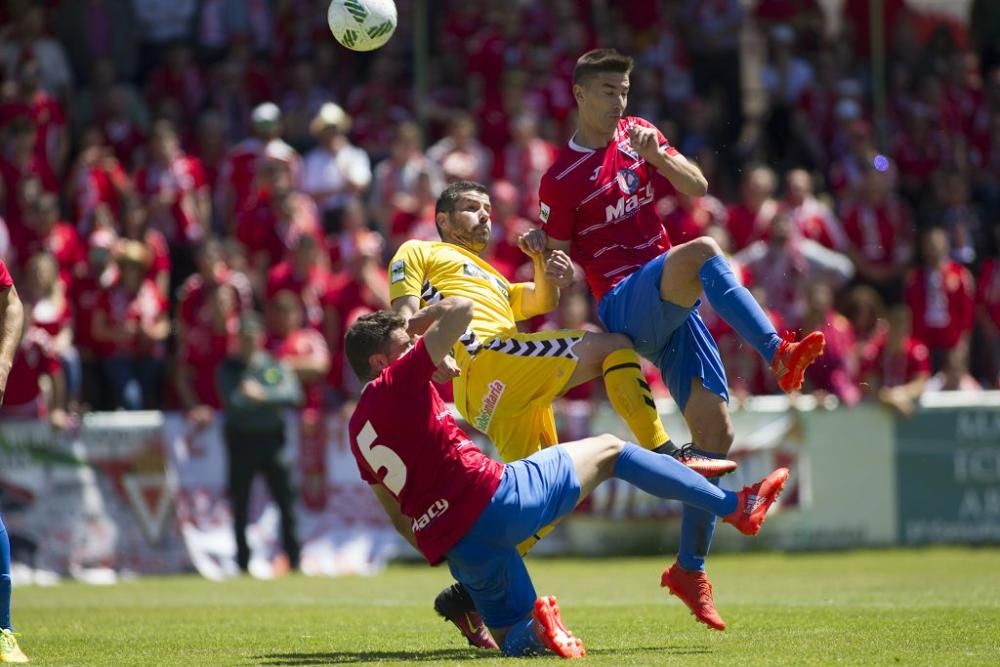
[
  {"x": 627, "y": 205},
  {"x": 438, "y": 508},
  {"x": 485, "y": 416}
]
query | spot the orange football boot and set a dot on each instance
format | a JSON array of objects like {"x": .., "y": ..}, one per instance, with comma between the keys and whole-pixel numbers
[
  {"x": 792, "y": 359},
  {"x": 695, "y": 590},
  {"x": 755, "y": 501},
  {"x": 549, "y": 628}
]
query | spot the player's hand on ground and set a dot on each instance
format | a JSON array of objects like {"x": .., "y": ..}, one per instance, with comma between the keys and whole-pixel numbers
[
  {"x": 645, "y": 142},
  {"x": 446, "y": 370},
  {"x": 532, "y": 243},
  {"x": 559, "y": 268}
]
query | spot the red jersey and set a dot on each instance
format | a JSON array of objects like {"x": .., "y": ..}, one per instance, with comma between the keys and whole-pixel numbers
[
  {"x": 988, "y": 289},
  {"x": 66, "y": 247},
  {"x": 746, "y": 226},
  {"x": 892, "y": 369},
  {"x": 192, "y": 293},
  {"x": 303, "y": 342},
  {"x": 404, "y": 437},
  {"x": 309, "y": 289},
  {"x": 942, "y": 304},
  {"x": 181, "y": 179},
  {"x": 6, "y": 282},
  {"x": 204, "y": 350},
  {"x": 32, "y": 359},
  {"x": 882, "y": 235},
  {"x": 121, "y": 307},
  {"x": 602, "y": 201}
]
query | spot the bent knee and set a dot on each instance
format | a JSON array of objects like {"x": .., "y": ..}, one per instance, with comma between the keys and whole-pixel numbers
[
  {"x": 604, "y": 344},
  {"x": 613, "y": 445},
  {"x": 702, "y": 248},
  {"x": 716, "y": 438}
]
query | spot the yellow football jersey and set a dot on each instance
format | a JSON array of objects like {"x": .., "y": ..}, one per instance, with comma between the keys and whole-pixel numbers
[{"x": 432, "y": 270}]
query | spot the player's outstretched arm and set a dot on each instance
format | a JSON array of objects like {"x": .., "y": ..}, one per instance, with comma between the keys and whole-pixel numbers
[
  {"x": 11, "y": 325},
  {"x": 451, "y": 319}
]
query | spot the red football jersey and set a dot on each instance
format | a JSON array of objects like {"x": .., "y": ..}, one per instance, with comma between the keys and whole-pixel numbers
[
  {"x": 603, "y": 202},
  {"x": 404, "y": 437},
  {"x": 988, "y": 289},
  {"x": 892, "y": 369}
]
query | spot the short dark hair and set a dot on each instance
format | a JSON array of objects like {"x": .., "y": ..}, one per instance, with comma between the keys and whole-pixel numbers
[
  {"x": 448, "y": 200},
  {"x": 598, "y": 61},
  {"x": 367, "y": 336}
]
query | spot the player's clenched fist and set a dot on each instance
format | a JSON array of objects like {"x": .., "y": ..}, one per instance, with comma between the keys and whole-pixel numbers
[
  {"x": 559, "y": 268},
  {"x": 532, "y": 243},
  {"x": 644, "y": 142},
  {"x": 446, "y": 370}
]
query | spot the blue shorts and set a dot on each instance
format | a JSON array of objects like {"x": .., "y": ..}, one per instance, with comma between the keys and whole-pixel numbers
[
  {"x": 671, "y": 336},
  {"x": 533, "y": 493}
]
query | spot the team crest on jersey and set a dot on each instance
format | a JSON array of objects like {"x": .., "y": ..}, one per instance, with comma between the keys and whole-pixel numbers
[
  {"x": 544, "y": 210},
  {"x": 397, "y": 271},
  {"x": 628, "y": 181},
  {"x": 626, "y": 147}
]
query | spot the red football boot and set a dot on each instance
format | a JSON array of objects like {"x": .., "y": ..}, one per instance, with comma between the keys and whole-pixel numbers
[
  {"x": 695, "y": 590},
  {"x": 703, "y": 465},
  {"x": 454, "y": 604},
  {"x": 552, "y": 632},
  {"x": 755, "y": 501},
  {"x": 792, "y": 359}
]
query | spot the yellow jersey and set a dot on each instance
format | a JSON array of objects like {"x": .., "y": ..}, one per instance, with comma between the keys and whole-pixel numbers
[{"x": 432, "y": 270}]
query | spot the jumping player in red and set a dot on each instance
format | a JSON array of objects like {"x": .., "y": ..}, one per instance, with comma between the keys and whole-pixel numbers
[
  {"x": 11, "y": 326},
  {"x": 597, "y": 203},
  {"x": 454, "y": 504}
]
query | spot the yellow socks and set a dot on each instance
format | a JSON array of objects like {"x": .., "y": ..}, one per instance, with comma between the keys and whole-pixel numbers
[{"x": 631, "y": 397}]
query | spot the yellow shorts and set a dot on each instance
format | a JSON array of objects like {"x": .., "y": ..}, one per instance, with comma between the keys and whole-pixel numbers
[{"x": 507, "y": 388}]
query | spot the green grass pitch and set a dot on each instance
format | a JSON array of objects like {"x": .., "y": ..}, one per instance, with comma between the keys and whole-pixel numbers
[{"x": 919, "y": 607}]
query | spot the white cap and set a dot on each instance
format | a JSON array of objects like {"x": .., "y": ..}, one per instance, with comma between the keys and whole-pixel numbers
[
  {"x": 330, "y": 115},
  {"x": 268, "y": 112}
]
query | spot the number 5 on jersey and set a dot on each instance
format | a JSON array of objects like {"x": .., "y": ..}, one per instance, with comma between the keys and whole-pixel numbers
[{"x": 379, "y": 457}]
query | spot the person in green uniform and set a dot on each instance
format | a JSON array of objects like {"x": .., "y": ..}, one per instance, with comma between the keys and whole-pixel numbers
[{"x": 256, "y": 389}]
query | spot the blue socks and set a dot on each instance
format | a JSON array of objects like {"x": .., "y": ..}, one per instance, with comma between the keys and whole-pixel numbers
[
  {"x": 737, "y": 307},
  {"x": 521, "y": 640},
  {"x": 665, "y": 477},
  {"x": 5, "y": 584},
  {"x": 697, "y": 528}
]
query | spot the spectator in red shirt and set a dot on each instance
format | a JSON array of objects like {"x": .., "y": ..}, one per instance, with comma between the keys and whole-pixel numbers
[
  {"x": 174, "y": 188},
  {"x": 784, "y": 263},
  {"x": 97, "y": 179},
  {"x": 213, "y": 271},
  {"x": 239, "y": 176},
  {"x": 750, "y": 219},
  {"x": 85, "y": 294},
  {"x": 32, "y": 102},
  {"x": 865, "y": 310},
  {"x": 180, "y": 78},
  {"x": 508, "y": 225},
  {"x": 940, "y": 295},
  {"x": 48, "y": 310},
  {"x": 57, "y": 237},
  {"x": 958, "y": 216},
  {"x": 395, "y": 181},
  {"x": 686, "y": 218},
  {"x": 896, "y": 367},
  {"x": 813, "y": 218},
  {"x": 24, "y": 398},
  {"x": 208, "y": 342},
  {"x": 23, "y": 176},
  {"x": 459, "y": 155},
  {"x": 836, "y": 371},
  {"x": 304, "y": 274},
  {"x": 271, "y": 228},
  {"x": 879, "y": 233},
  {"x": 302, "y": 349},
  {"x": 130, "y": 327},
  {"x": 526, "y": 158},
  {"x": 135, "y": 227}
]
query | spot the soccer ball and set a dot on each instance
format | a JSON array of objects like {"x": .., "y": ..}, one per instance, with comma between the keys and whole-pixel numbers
[{"x": 362, "y": 25}]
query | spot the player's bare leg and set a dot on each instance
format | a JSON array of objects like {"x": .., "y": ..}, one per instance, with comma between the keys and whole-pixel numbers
[
  {"x": 612, "y": 356},
  {"x": 700, "y": 266}
]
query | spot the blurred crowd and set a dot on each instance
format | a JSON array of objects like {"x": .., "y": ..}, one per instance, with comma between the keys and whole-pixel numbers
[{"x": 170, "y": 164}]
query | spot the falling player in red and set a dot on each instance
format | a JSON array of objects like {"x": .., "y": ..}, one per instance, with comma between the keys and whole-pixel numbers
[
  {"x": 597, "y": 202},
  {"x": 454, "y": 504}
]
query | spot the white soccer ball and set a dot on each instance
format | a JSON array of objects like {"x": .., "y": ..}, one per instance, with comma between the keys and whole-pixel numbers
[{"x": 362, "y": 25}]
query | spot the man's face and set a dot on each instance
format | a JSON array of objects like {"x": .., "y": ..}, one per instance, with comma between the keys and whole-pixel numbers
[
  {"x": 602, "y": 99},
  {"x": 399, "y": 342},
  {"x": 469, "y": 224}
]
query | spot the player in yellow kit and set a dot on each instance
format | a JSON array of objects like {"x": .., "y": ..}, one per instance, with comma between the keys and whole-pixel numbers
[{"x": 505, "y": 381}]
